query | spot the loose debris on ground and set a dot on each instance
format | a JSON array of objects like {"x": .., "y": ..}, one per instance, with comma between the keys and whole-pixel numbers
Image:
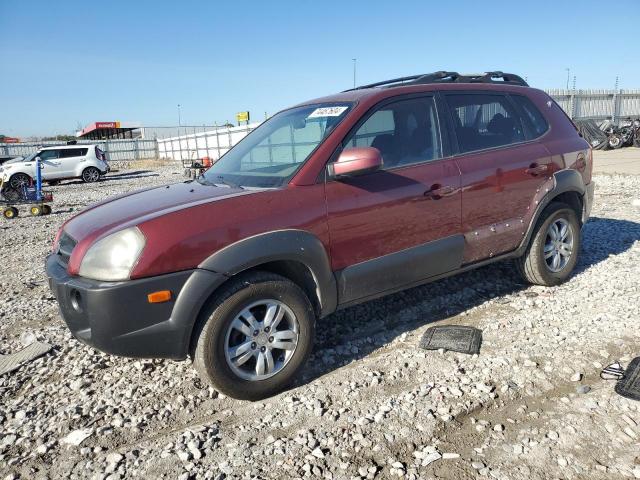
[{"x": 371, "y": 403}]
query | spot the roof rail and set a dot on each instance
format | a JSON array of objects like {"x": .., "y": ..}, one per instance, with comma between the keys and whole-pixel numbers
[
  {"x": 450, "y": 77},
  {"x": 386, "y": 82}
]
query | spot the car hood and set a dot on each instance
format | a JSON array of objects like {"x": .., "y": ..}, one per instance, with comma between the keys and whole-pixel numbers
[{"x": 137, "y": 207}]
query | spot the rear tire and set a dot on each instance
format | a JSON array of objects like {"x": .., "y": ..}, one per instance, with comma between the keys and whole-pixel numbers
[
  {"x": 223, "y": 328},
  {"x": 90, "y": 175},
  {"x": 549, "y": 261},
  {"x": 36, "y": 210}
]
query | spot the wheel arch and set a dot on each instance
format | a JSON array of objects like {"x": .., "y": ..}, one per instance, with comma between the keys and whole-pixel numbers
[
  {"x": 294, "y": 254},
  {"x": 569, "y": 188}
]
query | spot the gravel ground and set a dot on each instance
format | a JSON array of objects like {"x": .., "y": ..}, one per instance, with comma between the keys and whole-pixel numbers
[{"x": 371, "y": 403}]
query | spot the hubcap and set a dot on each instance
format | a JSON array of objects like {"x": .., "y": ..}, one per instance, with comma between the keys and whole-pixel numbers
[
  {"x": 558, "y": 246},
  {"x": 261, "y": 340}
]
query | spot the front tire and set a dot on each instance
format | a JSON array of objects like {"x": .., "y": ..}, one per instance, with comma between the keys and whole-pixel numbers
[
  {"x": 90, "y": 175},
  {"x": 18, "y": 180},
  {"x": 553, "y": 250},
  {"x": 255, "y": 336}
]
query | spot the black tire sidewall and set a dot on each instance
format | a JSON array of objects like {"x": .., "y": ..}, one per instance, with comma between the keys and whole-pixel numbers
[
  {"x": 210, "y": 357},
  {"x": 557, "y": 211}
]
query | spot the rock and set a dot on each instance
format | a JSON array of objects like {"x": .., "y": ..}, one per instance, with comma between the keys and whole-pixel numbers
[
  {"x": 430, "y": 458},
  {"x": 583, "y": 389},
  {"x": 76, "y": 437},
  {"x": 576, "y": 377},
  {"x": 114, "y": 458}
]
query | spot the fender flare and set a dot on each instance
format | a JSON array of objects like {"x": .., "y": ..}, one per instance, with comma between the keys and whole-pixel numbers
[
  {"x": 280, "y": 245},
  {"x": 566, "y": 180}
]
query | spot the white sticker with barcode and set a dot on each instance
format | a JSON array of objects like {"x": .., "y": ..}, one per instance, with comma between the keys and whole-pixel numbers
[{"x": 327, "y": 112}]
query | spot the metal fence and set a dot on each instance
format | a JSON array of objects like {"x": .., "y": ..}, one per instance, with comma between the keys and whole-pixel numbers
[
  {"x": 193, "y": 145},
  {"x": 115, "y": 150},
  {"x": 598, "y": 104}
]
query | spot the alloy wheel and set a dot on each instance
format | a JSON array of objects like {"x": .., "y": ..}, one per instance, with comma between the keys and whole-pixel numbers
[
  {"x": 558, "y": 246},
  {"x": 261, "y": 340},
  {"x": 91, "y": 175}
]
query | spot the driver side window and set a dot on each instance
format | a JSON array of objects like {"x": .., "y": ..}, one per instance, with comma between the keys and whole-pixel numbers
[
  {"x": 406, "y": 132},
  {"x": 48, "y": 155}
]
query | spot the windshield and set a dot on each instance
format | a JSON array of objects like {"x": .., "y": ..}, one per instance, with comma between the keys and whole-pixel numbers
[
  {"x": 271, "y": 154},
  {"x": 28, "y": 158}
]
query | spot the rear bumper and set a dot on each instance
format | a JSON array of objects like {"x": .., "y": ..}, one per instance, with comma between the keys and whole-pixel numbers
[
  {"x": 116, "y": 318},
  {"x": 587, "y": 201}
]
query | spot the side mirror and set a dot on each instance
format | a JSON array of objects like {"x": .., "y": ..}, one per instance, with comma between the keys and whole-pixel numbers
[{"x": 356, "y": 161}]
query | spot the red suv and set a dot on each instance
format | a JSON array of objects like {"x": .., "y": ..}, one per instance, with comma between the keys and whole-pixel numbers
[{"x": 327, "y": 204}]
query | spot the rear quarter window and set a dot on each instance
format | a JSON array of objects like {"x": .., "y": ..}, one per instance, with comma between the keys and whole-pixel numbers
[
  {"x": 532, "y": 117},
  {"x": 73, "y": 152}
]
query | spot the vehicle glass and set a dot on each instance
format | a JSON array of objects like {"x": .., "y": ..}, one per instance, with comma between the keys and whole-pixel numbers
[
  {"x": 73, "y": 152},
  {"x": 48, "y": 154},
  {"x": 272, "y": 153},
  {"x": 28, "y": 158},
  {"x": 405, "y": 132},
  {"x": 536, "y": 120},
  {"x": 484, "y": 121}
]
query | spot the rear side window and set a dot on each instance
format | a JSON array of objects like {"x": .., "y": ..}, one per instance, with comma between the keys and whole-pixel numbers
[
  {"x": 484, "y": 121},
  {"x": 73, "y": 152},
  {"x": 532, "y": 116},
  {"x": 406, "y": 132}
]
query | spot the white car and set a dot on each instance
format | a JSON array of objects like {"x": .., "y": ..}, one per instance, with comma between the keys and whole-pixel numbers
[{"x": 87, "y": 162}]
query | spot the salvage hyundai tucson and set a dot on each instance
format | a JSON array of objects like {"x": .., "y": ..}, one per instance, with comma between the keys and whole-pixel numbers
[{"x": 325, "y": 205}]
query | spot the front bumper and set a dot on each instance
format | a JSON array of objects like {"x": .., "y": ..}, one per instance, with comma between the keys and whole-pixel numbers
[
  {"x": 116, "y": 318},
  {"x": 587, "y": 201}
]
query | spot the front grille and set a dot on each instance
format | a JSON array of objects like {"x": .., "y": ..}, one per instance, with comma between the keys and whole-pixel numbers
[{"x": 66, "y": 244}]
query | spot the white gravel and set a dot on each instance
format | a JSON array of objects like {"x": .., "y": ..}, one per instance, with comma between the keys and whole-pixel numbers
[{"x": 371, "y": 404}]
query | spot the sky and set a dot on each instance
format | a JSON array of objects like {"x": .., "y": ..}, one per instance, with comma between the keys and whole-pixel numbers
[{"x": 70, "y": 63}]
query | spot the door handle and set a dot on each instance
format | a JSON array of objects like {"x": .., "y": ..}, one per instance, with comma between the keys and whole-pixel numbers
[
  {"x": 535, "y": 169},
  {"x": 437, "y": 191}
]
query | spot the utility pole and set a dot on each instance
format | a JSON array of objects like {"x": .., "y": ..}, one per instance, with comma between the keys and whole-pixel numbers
[
  {"x": 179, "y": 116},
  {"x": 354, "y": 72},
  {"x": 568, "y": 71}
]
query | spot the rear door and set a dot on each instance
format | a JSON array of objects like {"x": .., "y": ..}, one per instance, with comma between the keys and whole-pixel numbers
[
  {"x": 502, "y": 170},
  {"x": 395, "y": 227},
  {"x": 70, "y": 160}
]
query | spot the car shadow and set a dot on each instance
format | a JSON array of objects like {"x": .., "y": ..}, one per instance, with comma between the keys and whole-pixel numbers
[{"x": 356, "y": 332}]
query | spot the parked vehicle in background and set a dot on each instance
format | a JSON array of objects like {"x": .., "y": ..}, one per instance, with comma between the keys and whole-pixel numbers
[
  {"x": 87, "y": 162},
  {"x": 326, "y": 205}
]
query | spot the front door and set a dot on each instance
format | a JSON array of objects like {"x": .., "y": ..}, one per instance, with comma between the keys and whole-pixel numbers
[
  {"x": 50, "y": 164},
  {"x": 501, "y": 172},
  {"x": 395, "y": 227}
]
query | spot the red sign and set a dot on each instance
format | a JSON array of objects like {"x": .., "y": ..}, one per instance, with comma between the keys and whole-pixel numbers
[
  {"x": 10, "y": 140},
  {"x": 107, "y": 124}
]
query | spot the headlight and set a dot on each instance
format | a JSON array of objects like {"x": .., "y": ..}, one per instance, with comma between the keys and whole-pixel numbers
[{"x": 113, "y": 257}]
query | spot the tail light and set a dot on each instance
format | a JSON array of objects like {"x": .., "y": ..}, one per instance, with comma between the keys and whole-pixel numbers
[{"x": 100, "y": 155}]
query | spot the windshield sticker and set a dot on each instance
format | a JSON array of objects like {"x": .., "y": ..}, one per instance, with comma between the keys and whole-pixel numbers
[{"x": 327, "y": 112}]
